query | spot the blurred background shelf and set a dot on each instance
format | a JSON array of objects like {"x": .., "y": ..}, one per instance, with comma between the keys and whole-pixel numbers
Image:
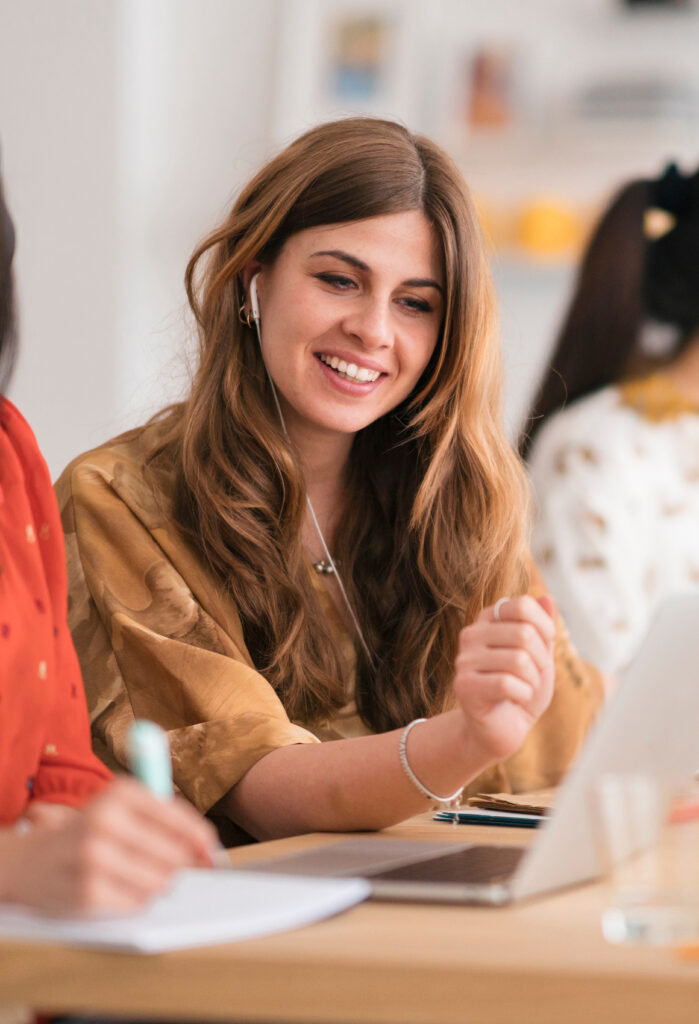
[{"x": 127, "y": 126}]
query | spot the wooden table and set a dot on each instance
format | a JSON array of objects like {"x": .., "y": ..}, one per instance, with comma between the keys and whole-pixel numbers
[{"x": 542, "y": 962}]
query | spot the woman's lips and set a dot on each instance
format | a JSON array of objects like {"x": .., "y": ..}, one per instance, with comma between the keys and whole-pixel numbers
[{"x": 346, "y": 384}]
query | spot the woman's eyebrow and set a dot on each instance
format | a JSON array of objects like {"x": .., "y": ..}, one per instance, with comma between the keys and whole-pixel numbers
[
  {"x": 353, "y": 261},
  {"x": 424, "y": 282},
  {"x": 346, "y": 257}
]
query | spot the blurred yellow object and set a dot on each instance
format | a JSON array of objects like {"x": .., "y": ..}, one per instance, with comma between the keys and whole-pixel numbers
[
  {"x": 549, "y": 228},
  {"x": 497, "y": 223},
  {"x": 689, "y": 952}
]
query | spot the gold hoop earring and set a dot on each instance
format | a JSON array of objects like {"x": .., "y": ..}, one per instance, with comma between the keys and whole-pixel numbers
[{"x": 245, "y": 318}]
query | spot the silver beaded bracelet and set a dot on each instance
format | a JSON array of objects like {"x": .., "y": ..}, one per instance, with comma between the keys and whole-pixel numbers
[{"x": 452, "y": 800}]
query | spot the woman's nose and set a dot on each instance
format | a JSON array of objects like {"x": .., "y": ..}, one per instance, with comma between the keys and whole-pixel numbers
[{"x": 370, "y": 323}]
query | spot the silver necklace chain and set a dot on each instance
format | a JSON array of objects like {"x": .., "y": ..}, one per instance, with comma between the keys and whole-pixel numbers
[{"x": 328, "y": 563}]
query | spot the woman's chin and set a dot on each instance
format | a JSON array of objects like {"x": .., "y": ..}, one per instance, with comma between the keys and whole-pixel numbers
[{"x": 340, "y": 422}]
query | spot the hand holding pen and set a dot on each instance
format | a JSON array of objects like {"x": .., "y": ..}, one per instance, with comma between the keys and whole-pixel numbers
[
  {"x": 118, "y": 853},
  {"x": 148, "y": 751},
  {"x": 150, "y": 761}
]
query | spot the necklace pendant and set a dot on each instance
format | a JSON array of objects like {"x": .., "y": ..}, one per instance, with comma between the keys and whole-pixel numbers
[{"x": 324, "y": 567}]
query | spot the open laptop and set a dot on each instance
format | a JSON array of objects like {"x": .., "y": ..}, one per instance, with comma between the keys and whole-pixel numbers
[{"x": 650, "y": 725}]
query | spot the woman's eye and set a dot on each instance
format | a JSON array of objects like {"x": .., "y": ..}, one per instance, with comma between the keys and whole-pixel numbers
[
  {"x": 416, "y": 305},
  {"x": 336, "y": 280}
]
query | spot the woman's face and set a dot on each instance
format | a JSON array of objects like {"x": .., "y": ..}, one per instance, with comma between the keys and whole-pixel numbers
[{"x": 350, "y": 315}]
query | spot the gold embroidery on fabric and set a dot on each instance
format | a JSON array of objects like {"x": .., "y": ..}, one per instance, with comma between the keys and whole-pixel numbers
[
  {"x": 595, "y": 519},
  {"x": 656, "y": 398},
  {"x": 589, "y": 455},
  {"x": 592, "y": 562}
]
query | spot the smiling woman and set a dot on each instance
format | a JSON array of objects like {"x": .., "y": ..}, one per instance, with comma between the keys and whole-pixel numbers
[{"x": 310, "y": 547}]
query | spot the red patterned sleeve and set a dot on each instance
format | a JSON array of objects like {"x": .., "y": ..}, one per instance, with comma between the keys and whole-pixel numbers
[{"x": 68, "y": 772}]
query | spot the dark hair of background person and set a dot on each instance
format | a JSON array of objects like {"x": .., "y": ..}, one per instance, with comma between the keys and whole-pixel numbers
[
  {"x": 7, "y": 319},
  {"x": 626, "y": 278},
  {"x": 433, "y": 527}
]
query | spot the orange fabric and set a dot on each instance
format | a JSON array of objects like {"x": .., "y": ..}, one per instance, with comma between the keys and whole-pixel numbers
[{"x": 45, "y": 751}]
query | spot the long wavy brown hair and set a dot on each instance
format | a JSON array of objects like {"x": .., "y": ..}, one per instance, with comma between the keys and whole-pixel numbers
[{"x": 433, "y": 528}]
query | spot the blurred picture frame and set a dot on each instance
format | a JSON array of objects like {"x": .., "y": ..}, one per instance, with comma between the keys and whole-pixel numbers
[
  {"x": 358, "y": 57},
  {"x": 490, "y": 79},
  {"x": 338, "y": 58}
]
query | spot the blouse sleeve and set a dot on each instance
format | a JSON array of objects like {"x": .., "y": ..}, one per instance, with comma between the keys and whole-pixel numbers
[
  {"x": 68, "y": 772},
  {"x": 593, "y": 538},
  {"x": 158, "y": 639}
]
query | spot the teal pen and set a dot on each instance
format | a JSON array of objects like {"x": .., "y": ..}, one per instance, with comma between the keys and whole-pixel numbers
[
  {"x": 148, "y": 751},
  {"x": 149, "y": 757}
]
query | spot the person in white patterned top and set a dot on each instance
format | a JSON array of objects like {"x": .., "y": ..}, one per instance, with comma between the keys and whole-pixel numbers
[{"x": 615, "y": 473}]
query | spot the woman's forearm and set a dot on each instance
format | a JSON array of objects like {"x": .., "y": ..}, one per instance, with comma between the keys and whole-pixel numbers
[
  {"x": 354, "y": 784},
  {"x": 503, "y": 682}
]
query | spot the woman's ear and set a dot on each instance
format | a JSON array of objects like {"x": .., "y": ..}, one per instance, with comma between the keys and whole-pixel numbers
[{"x": 251, "y": 268}]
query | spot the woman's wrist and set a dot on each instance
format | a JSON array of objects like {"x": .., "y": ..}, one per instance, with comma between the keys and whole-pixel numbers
[
  {"x": 452, "y": 799},
  {"x": 471, "y": 754},
  {"x": 12, "y": 854},
  {"x": 442, "y": 754}
]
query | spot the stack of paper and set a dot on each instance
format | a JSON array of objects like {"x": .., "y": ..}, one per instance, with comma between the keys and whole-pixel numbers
[
  {"x": 203, "y": 907},
  {"x": 526, "y": 810},
  {"x": 538, "y": 802}
]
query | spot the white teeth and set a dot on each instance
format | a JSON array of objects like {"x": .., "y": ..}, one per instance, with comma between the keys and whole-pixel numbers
[{"x": 350, "y": 371}]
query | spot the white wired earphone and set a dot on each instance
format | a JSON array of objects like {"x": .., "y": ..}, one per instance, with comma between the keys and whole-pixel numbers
[{"x": 255, "y": 313}]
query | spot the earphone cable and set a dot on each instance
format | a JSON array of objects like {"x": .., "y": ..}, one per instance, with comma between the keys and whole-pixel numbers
[{"x": 316, "y": 524}]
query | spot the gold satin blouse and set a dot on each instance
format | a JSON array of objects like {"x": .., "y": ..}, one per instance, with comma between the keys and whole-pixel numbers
[{"x": 158, "y": 637}]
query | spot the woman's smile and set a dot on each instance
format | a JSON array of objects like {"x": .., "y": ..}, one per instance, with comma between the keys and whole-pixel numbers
[{"x": 346, "y": 369}]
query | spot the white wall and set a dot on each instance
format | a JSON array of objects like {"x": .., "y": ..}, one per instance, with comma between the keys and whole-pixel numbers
[
  {"x": 194, "y": 90},
  {"x": 125, "y": 127},
  {"x": 57, "y": 131}
]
